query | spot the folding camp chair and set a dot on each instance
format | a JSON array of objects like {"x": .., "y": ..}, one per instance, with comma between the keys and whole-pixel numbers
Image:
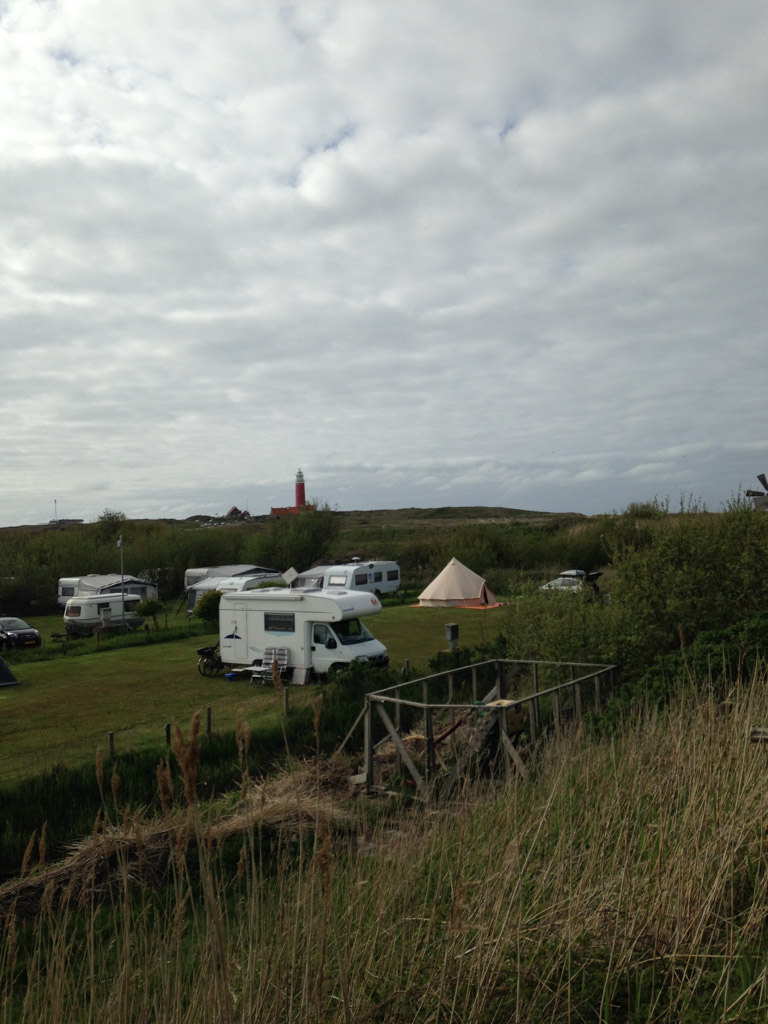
[{"x": 263, "y": 673}]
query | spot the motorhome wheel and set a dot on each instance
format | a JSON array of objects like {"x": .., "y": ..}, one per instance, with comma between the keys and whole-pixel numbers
[{"x": 337, "y": 670}]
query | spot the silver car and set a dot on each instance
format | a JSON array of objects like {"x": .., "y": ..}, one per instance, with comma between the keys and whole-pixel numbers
[{"x": 573, "y": 581}]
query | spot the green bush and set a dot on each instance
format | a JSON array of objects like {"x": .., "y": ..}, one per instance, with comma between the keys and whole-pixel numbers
[
  {"x": 150, "y": 608},
  {"x": 674, "y": 579},
  {"x": 207, "y": 608}
]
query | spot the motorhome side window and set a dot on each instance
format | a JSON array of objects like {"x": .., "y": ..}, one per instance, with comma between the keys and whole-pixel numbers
[
  {"x": 393, "y": 574},
  {"x": 337, "y": 581},
  {"x": 377, "y": 577},
  {"x": 279, "y": 622},
  {"x": 361, "y": 577}
]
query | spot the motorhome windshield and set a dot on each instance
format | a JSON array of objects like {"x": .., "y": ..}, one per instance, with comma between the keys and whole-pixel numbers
[{"x": 351, "y": 631}]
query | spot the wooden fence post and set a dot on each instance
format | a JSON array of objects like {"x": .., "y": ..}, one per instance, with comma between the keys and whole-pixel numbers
[
  {"x": 503, "y": 736},
  {"x": 398, "y": 759},
  {"x": 368, "y": 742},
  {"x": 532, "y": 716},
  {"x": 429, "y": 742}
]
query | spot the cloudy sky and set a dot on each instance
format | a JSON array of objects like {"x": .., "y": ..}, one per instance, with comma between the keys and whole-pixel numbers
[{"x": 503, "y": 252}]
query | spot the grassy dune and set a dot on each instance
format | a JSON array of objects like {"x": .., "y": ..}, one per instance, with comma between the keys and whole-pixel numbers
[{"x": 625, "y": 881}]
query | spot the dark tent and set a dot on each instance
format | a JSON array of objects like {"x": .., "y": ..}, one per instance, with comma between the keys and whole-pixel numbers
[{"x": 7, "y": 678}]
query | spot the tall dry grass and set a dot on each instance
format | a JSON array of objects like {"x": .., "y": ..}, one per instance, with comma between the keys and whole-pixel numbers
[{"x": 625, "y": 881}]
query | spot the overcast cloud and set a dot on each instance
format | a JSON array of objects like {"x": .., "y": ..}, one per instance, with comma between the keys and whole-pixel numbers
[{"x": 433, "y": 253}]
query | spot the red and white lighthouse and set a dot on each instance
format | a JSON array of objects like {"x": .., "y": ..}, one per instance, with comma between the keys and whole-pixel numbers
[{"x": 301, "y": 499}]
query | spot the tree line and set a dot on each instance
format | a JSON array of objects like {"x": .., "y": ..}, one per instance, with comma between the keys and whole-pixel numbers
[{"x": 688, "y": 564}]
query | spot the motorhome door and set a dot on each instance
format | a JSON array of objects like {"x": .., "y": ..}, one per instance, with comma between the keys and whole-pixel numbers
[
  {"x": 233, "y": 637},
  {"x": 324, "y": 656}
]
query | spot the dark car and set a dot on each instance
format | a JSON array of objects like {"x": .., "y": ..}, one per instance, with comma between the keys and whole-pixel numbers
[{"x": 17, "y": 633}]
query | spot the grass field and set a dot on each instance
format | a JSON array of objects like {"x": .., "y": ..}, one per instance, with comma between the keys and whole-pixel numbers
[{"x": 65, "y": 708}]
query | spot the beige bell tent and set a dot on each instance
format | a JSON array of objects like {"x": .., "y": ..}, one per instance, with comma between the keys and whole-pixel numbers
[{"x": 457, "y": 587}]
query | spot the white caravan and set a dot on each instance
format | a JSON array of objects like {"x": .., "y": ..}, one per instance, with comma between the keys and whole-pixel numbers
[
  {"x": 320, "y": 629},
  {"x": 192, "y": 576},
  {"x": 103, "y": 583},
  {"x": 374, "y": 577},
  {"x": 104, "y": 611},
  {"x": 227, "y": 585}
]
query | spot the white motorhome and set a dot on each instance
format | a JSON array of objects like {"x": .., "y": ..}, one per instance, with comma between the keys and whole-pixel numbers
[
  {"x": 104, "y": 611},
  {"x": 227, "y": 585},
  {"x": 320, "y": 629},
  {"x": 374, "y": 577},
  {"x": 103, "y": 583}
]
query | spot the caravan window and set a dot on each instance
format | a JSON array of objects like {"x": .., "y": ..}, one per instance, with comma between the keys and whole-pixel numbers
[
  {"x": 337, "y": 581},
  {"x": 73, "y": 611},
  {"x": 67, "y": 591},
  {"x": 361, "y": 578},
  {"x": 103, "y": 607},
  {"x": 279, "y": 622},
  {"x": 308, "y": 582}
]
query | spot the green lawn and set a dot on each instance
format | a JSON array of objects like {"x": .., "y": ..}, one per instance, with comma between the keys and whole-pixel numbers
[{"x": 65, "y": 708}]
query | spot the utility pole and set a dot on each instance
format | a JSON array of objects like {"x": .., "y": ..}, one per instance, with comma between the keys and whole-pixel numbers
[{"x": 122, "y": 577}]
